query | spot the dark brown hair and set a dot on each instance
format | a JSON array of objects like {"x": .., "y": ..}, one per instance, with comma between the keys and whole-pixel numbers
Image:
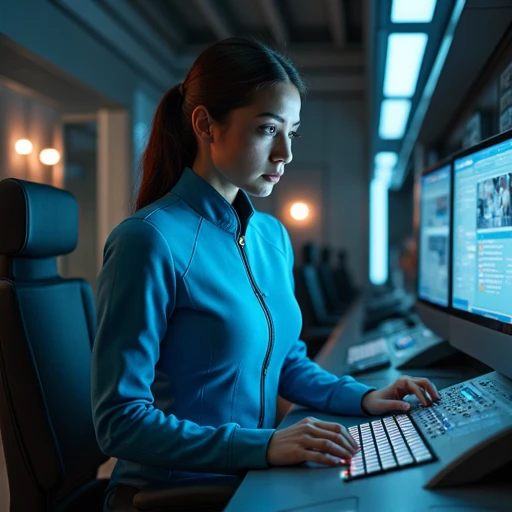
[{"x": 224, "y": 77}]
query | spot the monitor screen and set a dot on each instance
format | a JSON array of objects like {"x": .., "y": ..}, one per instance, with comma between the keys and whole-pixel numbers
[
  {"x": 482, "y": 233},
  {"x": 434, "y": 236}
]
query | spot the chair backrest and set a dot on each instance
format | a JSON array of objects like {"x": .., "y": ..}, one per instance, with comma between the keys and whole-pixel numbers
[
  {"x": 346, "y": 289},
  {"x": 47, "y": 326},
  {"x": 309, "y": 291},
  {"x": 328, "y": 283}
]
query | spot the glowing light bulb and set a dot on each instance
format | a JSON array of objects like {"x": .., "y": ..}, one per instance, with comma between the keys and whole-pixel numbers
[
  {"x": 299, "y": 211},
  {"x": 49, "y": 156},
  {"x": 23, "y": 147}
]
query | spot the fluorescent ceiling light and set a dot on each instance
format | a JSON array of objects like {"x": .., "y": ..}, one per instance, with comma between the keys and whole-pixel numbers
[
  {"x": 384, "y": 176},
  {"x": 378, "y": 232},
  {"x": 393, "y": 118},
  {"x": 403, "y": 63},
  {"x": 385, "y": 160},
  {"x": 412, "y": 11}
]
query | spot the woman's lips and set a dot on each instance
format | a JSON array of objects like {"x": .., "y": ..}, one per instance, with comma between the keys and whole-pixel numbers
[{"x": 273, "y": 178}]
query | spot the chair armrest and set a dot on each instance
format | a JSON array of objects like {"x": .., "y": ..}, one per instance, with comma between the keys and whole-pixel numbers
[{"x": 212, "y": 495}]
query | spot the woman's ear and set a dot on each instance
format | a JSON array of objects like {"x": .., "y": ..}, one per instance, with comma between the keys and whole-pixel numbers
[{"x": 201, "y": 123}]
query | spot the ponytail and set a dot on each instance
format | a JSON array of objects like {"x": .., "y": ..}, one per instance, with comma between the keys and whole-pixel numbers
[{"x": 171, "y": 147}]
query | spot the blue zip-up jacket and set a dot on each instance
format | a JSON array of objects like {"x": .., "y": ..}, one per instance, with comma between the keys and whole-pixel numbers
[{"x": 198, "y": 332}]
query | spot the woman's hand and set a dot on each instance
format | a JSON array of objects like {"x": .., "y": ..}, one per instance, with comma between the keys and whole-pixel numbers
[
  {"x": 311, "y": 440},
  {"x": 389, "y": 399}
]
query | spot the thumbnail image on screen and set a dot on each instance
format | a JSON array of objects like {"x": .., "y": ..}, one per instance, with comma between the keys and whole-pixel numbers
[
  {"x": 434, "y": 233},
  {"x": 493, "y": 202},
  {"x": 482, "y": 233}
]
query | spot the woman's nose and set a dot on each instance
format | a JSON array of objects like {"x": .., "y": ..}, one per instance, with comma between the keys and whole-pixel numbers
[{"x": 282, "y": 151}]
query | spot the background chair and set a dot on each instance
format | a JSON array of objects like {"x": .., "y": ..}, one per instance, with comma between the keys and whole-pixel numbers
[
  {"x": 317, "y": 323},
  {"x": 309, "y": 293},
  {"x": 342, "y": 277},
  {"x": 336, "y": 305}
]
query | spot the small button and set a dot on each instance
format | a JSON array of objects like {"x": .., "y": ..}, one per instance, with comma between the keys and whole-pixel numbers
[{"x": 241, "y": 241}]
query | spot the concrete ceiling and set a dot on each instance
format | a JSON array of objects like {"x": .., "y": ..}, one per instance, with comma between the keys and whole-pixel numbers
[{"x": 324, "y": 38}]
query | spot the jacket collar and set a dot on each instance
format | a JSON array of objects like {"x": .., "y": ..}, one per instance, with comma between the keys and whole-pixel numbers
[{"x": 211, "y": 205}]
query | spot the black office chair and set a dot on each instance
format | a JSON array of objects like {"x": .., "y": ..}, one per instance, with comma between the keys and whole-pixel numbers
[
  {"x": 346, "y": 290},
  {"x": 317, "y": 323},
  {"x": 47, "y": 327},
  {"x": 46, "y": 333},
  {"x": 309, "y": 291},
  {"x": 336, "y": 305}
]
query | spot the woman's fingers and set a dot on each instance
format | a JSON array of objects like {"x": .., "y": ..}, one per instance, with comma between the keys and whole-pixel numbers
[
  {"x": 427, "y": 386},
  {"x": 311, "y": 440},
  {"x": 421, "y": 387},
  {"x": 419, "y": 392},
  {"x": 335, "y": 428},
  {"x": 326, "y": 446},
  {"x": 323, "y": 458}
]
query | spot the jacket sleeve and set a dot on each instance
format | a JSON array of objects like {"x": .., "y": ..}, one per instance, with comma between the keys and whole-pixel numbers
[
  {"x": 136, "y": 294},
  {"x": 304, "y": 382}
]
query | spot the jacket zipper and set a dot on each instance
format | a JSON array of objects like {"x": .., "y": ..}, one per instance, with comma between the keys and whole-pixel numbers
[{"x": 241, "y": 245}]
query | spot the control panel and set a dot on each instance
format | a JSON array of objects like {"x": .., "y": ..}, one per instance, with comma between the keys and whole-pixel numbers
[{"x": 463, "y": 408}]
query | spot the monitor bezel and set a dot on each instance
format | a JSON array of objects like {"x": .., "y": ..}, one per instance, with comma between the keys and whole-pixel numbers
[
  {"x": 429, "y": 170},
  {"x": 491, "y": 323}
]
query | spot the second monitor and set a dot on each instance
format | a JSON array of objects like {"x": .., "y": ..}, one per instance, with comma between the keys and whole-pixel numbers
[{"x": 428, "y": 344}]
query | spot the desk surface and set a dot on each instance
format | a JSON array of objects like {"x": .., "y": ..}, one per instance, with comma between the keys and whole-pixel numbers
[{"x": 320, "y": 489}]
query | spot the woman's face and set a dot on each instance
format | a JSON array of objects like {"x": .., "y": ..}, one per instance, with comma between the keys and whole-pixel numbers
[{"x": 250, "y": 150}]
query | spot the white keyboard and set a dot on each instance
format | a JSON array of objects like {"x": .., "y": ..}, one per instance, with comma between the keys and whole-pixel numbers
[
  {"x": 367, "y": 350},
  {"x": 390, "y": 443}
]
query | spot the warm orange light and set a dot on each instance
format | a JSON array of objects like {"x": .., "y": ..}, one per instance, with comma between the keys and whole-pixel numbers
[
  {"x": 23, "y": 147},
  {"x": 49, "y": 156},
  {"x": 299, "y": 211}
]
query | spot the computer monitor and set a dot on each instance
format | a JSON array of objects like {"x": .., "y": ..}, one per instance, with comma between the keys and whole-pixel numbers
[
  {"x": 434, "y": 248},
  {"x": 481, "y": 302}
]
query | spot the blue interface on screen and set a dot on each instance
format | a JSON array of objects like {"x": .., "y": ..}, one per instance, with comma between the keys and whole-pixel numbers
[
  {"x": 482, "y": 233},
  {"x": 434, "y": 236}
]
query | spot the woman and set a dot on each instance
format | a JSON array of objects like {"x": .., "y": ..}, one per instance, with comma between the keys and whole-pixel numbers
[{"x": 198, "y": 326}]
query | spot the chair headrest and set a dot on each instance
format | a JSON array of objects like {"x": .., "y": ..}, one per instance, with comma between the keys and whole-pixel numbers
[
  {"x": 309, "y": 253},
  {"x": 36, "y": 221},
  {"x": 325, "y": 255},
  {"x": 342, "y": 255}
]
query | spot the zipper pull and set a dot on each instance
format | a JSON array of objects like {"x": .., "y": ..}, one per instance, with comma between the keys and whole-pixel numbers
[{"x": 241, "y": 241}]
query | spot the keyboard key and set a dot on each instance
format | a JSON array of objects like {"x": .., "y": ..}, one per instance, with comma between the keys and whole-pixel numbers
[
  {"x": 388, "y": 464},
  {"x": 423, "y": 457}
]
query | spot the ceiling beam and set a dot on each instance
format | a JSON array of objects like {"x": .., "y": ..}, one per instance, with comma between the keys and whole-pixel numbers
[
  {"x": 337, "y": 83},
  {"x": 156, "y": 63},
  {"x": 130, "y": 16},
  {"x": 214, "y": 18},
  {"x": 322, "y": 57},
  {"x": 275, "y": 21},
  {"x": 303, "y": 56},
  {"x": 336, "y": 19},
  {"x": 158, "y": 15}
]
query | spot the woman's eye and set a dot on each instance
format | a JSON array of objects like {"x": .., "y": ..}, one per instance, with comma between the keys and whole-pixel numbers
[
  {"x": 272, "y": 130},
  {"x": 269, "y": 130}
]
